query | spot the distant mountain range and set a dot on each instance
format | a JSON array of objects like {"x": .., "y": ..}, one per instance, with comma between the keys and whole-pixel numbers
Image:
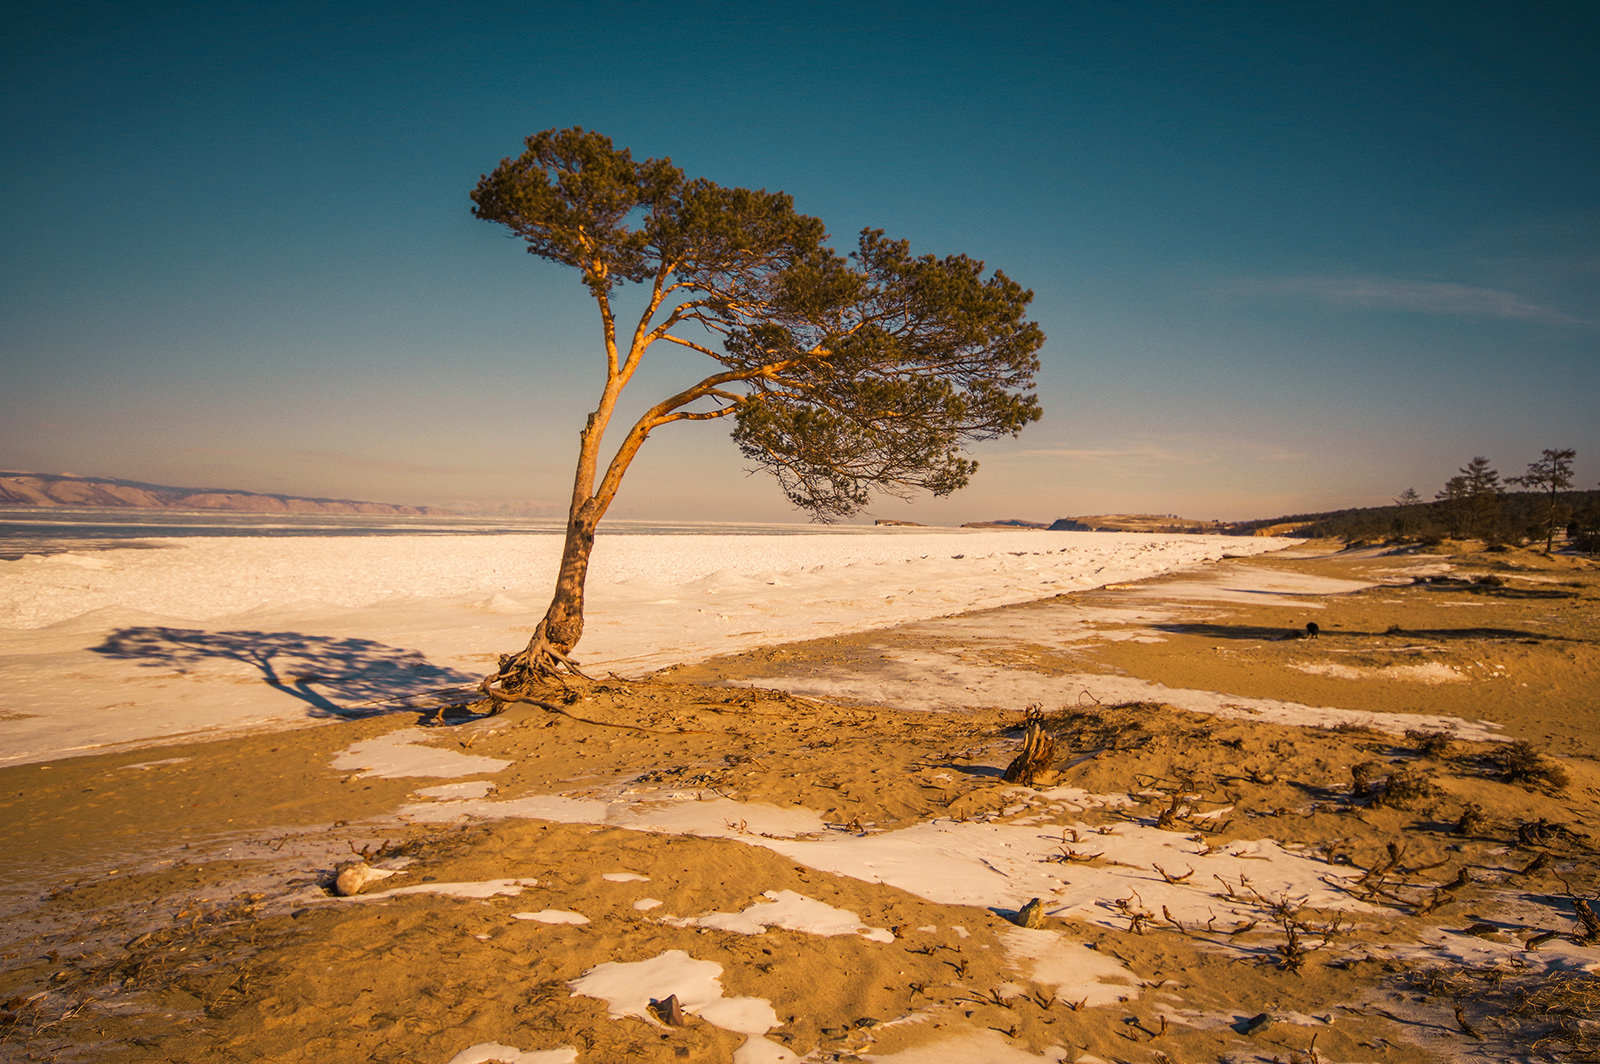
[{"x": 64, "y": 490}]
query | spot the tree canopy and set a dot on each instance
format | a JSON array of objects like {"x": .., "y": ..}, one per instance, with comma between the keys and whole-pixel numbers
[{"x": 842, "y": 374}]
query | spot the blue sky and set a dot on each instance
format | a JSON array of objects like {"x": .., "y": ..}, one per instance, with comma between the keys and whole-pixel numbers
[{"x": 1289, "y": 257}]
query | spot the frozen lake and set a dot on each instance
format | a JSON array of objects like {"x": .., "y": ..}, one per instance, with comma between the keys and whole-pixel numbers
[{"x": 194, "y": 633}]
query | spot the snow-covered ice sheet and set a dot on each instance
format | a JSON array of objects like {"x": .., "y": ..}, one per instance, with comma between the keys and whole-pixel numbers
[{"x": 125, "y": 645}]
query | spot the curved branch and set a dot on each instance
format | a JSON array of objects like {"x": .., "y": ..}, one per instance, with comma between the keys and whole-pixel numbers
[
  {"x": 704, "y": 415},
  {"x": 659, "y": 415},
  {"x": 691, "y": 345}
]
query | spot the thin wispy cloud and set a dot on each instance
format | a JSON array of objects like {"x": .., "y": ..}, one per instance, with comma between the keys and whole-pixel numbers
[
  {"x": 1422, "y": 297},
  {"x": 1166, "y": 453},
  {"x": 375, "y": 464}
]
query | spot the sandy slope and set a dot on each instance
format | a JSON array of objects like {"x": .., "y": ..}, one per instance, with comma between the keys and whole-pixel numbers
[{"x": 840, "y": 879}]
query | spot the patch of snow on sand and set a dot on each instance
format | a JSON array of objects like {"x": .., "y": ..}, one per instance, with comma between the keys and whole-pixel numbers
[
  {"x": 1248, "y": 585},
  {"x": 552, "y": 916},
  {"x": 721, "y": 818},
  {"x": 788, "y": 910},
  {"x": 399, "y": 754},
  {"x": 1431, "y": 672},
  {"x": 495, "y": 1053},
  {"x": 1078, "y": 973},
  {"x": 1006, "y": 865},
  {"x": 985, "y": 864},
  {"x": 474, "y": 789},
  {"x": 628, "y": 987},
  {"x": 625, "y": 877},
  {"x": 759, "y": 1050},
  {"x": 933, "y": 679}
]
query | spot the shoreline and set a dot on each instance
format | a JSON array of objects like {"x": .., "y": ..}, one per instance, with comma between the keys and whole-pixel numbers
[{"x": 241, "y": 632}]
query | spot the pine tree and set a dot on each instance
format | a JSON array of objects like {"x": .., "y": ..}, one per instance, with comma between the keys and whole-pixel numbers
[{"x": 840, "y": 375}]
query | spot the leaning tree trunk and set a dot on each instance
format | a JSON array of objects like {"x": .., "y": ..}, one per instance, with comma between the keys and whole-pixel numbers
[
  {"x": 562, "y": 626},
  {"x": 545, "y": 657}
]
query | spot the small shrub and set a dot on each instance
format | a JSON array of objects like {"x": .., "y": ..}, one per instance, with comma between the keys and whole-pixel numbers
[
  {"x": 1398, "y": 787},
  {"x": 1403, "y": 787},
  {"x": 1353, "y": 728},
  {"x": 1363, "y": 778},
  {"x": 1428, "y": 743},
  {"x": 1519, "y": 762}
]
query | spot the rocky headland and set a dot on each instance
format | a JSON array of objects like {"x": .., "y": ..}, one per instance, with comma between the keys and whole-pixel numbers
[{"x": 65, "y": 490}]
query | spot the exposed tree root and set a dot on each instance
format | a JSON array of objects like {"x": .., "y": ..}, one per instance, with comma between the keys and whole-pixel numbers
[
  {"x": 503, "y": 698},
  {"x": 538, "y": 665}
]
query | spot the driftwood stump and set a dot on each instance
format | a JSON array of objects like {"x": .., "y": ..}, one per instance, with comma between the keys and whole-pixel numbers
[{"x": 1037, "y": 758}]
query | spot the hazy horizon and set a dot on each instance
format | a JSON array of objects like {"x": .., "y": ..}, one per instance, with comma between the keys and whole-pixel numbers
[{"x": 1288, "y": 259}]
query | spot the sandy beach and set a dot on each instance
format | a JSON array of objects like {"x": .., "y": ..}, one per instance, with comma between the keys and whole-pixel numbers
[{"x": 793, "y": 841}]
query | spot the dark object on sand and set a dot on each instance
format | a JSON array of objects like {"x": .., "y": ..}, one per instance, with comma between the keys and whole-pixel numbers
[
  {"x": 1036, "y": 759},
  {"x": 1031, "y": 914},
  {"x": 669, "y": 1011},
  {"x": 1253, "y": 1024},
  {"x": 1312, "y": 630}
]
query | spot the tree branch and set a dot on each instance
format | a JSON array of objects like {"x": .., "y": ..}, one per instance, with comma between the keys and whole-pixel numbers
[{"x": 708, "y": 415}]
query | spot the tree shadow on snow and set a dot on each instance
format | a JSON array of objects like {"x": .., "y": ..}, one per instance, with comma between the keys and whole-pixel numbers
[{"x": 346, "y": 678}]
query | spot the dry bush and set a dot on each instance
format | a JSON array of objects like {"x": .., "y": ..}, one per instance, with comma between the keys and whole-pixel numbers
[
  {"x": 1399, "y": 787},
  {"x": 1362, "y": 775},
  {"x": 1554, "y": 1015},
  {"x": 1427, "y": 743},
  {"x": 1352, "y": 728},
  {"x": 1519, "y": 762},
  {"x": 1405, "y": 786},
  {"x": 1472, "y": 820}
]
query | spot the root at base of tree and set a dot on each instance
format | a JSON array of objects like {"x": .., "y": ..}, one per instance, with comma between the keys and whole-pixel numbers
[{"x": 537, "y": 666}]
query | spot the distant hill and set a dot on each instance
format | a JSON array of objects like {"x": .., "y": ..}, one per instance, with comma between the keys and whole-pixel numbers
[
  {"x": 62, "y": 490},
  {"x": 1166, "y": 523},
  {"x": 1008, "y": 522}
]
